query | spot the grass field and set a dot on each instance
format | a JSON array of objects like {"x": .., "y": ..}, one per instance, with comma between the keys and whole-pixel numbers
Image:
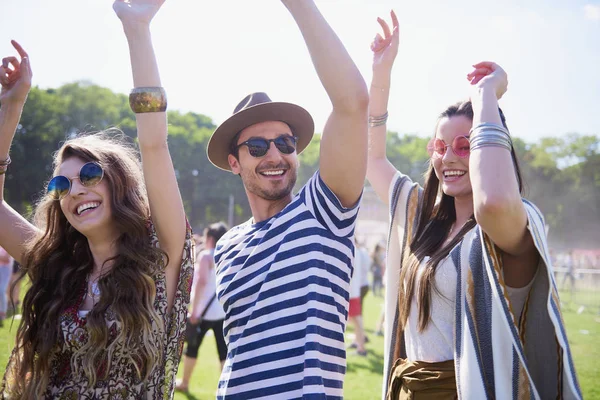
[{"x": 364, "y": 374}]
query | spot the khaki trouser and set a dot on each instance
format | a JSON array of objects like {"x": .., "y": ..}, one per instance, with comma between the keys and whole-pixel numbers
[{"x": 421, "y": 380}]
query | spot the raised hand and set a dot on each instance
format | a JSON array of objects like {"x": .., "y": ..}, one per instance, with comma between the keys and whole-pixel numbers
[
  {"x": 137, "y": 11},
  {"x": 487, "y": 74},
  {"x": 15, "y": 76},
  {"x": 385, "y": 48}
]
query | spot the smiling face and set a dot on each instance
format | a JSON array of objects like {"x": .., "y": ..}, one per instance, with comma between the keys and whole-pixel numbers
[
  {"x": 88, "y": 209},
  {"x": 273, "y": 176},
  {"x": 452, "y": 170}
]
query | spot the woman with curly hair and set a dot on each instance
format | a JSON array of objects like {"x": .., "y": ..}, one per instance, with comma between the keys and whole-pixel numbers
[
  {"x": 472, "y": 309},
  {"x": 105, "y": 314}
]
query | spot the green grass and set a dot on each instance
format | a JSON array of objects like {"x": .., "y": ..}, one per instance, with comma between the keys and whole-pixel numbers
[{"x": 363, "y": 378}]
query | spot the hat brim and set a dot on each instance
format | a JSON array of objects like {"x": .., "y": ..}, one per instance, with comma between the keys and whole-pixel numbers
[{"x": 298, "y": 119}]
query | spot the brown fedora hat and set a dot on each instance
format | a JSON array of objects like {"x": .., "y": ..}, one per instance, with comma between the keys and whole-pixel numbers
[{"x": 255, "y": 108}]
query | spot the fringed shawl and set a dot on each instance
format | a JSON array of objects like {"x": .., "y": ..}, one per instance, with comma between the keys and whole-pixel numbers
[{"x": 495, "y": 357}]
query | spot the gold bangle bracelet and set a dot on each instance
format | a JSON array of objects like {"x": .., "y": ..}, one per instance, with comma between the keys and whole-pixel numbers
[{"x": 148, "y": 99}]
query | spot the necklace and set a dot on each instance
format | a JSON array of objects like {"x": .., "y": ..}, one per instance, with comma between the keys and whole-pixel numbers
[{"x": 94, "y": 291}]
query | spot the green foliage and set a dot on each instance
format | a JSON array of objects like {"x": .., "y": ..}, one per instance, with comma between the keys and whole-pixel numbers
[
  {"x": 309, "y": 161},
  {"x": 562, "y": 174},
  {"x": 408, "y": 154},
  {"x": 563, "y": 180}
]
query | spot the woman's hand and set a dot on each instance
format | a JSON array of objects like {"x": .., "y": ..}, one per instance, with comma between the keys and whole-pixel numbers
[
  {"x": 489, "y": 75},
  {"x": 136, "y": 12},
  {"x": 385, "y": 48},
  {"x": 15, "y": 77}
]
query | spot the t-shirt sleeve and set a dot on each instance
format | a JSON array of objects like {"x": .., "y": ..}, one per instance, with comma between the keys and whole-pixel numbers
[{"x": 328, "y": 209}]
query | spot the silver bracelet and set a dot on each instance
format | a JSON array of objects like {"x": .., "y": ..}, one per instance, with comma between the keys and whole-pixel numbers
[
  {"x": 490, "y": 137},
  {"x": 488, "y": 126},
  {"x": 378, "y": 121}
]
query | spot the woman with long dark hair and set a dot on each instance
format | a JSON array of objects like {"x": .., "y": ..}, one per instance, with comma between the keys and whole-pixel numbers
[
  {"x": 468, "y": 276},
  {"x": 109, "y": 253}
]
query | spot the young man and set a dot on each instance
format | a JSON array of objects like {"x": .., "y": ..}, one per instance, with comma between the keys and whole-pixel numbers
[{"x": 283, "y": 277}]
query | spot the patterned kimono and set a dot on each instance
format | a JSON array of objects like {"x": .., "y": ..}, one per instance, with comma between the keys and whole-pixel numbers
[
  {"x": 495, "y": 356},
  {"x": 122, "y": 381}
]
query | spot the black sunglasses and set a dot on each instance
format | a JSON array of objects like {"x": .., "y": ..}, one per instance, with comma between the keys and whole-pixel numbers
[
  {"x": 258, "y": 147},
  {"x": 90, "y": 175}
]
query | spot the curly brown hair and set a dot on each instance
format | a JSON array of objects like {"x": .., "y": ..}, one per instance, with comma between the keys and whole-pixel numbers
[{"x": 59, "y": 259}]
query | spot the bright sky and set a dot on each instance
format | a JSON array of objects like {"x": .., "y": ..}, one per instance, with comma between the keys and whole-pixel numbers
[{"x": 212, "y": 53}]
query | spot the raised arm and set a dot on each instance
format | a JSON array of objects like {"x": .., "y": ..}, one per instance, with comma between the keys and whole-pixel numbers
[
  {"x": 498, "y": 207},
  {"x": 380, "y": 171},
  {"x": 343, "y": 160},
  {"x": 166, "y": 205},
  {"x": 15, "y": 77}
]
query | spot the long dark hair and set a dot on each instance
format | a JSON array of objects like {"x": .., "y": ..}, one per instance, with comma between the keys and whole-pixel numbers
[
  {"x": 432, "y": 229},
  {"x": 58, "y": 260}
]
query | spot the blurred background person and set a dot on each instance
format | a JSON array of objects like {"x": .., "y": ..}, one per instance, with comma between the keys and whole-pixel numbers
[
  {"x": 363, "y": 253},
  {"x": 377, "y": 266},
  {"x": 6, "y": 265},
  {"x": 206, "y": 312},
  {"x": 13, "y": 291},
  {"x": 361, "y": 264}
]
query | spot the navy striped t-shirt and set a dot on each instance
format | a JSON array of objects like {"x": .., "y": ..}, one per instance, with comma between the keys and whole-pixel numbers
[{"x": 284, "y": 284}]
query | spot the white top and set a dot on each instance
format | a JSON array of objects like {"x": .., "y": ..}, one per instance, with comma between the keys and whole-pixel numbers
[
  {"x": 365, "y": 264},
  {"x": 436, "y": 342},
  {"x": 361, "y": 270},
  {"x": 215, "y": 310}
]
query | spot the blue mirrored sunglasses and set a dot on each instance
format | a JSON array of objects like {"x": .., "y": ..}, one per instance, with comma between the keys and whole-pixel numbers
[{"x": 90, "y": 175}]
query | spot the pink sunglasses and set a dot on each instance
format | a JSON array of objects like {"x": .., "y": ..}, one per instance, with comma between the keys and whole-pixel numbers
[{"x": 460, "y": 146}]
